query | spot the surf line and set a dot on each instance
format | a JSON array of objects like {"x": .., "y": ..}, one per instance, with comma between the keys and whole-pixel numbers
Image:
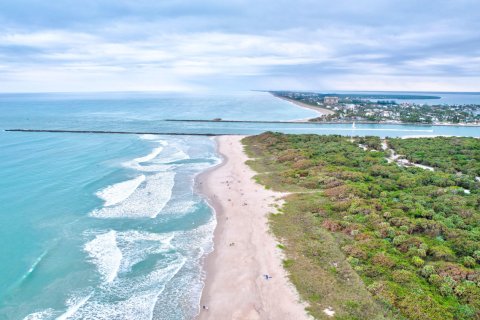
[{"x": 118, "y": 132}]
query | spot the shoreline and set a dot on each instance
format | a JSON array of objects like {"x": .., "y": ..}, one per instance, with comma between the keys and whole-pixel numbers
[
  {"x": 244, "y": 249},
  {"x": 319, "y": 110}
]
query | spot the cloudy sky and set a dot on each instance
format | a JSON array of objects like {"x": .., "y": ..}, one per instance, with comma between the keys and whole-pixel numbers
[{"x": 173, "y": 45}]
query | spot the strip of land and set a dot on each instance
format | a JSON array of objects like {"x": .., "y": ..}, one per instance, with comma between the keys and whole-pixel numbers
[
  {"x": 320, "y": 111},
  {"x": 245, "y": 252}
]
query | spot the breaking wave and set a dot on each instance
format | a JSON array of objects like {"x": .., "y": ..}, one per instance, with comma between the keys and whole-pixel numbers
[
  {"x": 104, "y": 252},
  {"x": 120, "y": 191},
  {"x": 145, "y": 202}
]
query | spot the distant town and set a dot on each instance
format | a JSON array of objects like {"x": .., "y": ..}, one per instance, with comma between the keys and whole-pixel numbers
[{"x": 382, "y": 108}]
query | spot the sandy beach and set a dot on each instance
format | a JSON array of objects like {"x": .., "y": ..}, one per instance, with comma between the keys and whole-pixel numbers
[
  {"x": 320, "y": 111},
  {"x": 244, "y": 249}
]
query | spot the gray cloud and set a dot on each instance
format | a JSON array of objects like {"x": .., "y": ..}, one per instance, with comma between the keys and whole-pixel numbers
[{"x": 172, "y": 44}]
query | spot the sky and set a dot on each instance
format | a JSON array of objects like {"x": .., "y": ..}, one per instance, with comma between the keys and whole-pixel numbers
[{"x": 230, "y": 45}]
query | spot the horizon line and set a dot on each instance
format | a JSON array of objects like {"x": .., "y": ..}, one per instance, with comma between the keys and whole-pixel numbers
[{"x": 231, "y": 91}]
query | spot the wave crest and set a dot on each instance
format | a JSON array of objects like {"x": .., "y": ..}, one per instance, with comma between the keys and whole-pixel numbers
[{"x": 120, "y": 191}]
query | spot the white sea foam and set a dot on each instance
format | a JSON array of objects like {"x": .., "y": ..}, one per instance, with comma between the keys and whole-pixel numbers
[
  {"x": 146, "y": 163},
  {"x": 120, "y": 191},
  {"x": 41, "y": 315},
  {"x": 137, "y": 246},
  {"x": 137, "y": 162},
  {"x": 149, "y": 157},
  {"x": 139, "y": 306},
  {"x": 127, "y": 298},
  {"x": 104, "y": 252},
  {"x": 162, "y": 163},
  {"x": 74, "y": 304},
  {"x": 133, "y": 296},
  {"x": 140, "y": 269},
  {"x": 178, "y": 155},
  {"x": 145, "y": 202},
  {"x": 150, "y": 167},
  {"x": 183, "y": 207},
  {"x": 194, "y": 244},
  {"x": 116, "y": 252}
]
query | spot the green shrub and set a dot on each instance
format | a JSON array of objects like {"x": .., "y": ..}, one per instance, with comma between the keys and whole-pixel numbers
[
  {"x": 403, "y": 276},
  {"x": 353, "y": 261},
  {"x": 445, "y": 289},
  {"x": 468, "y": 262},
  {"x": 383, "y": 260},
  {"x": 465, "y": 312},
  {"x": 427, "y": 271},
  {"x": 287, "y": 263},
  {"x": 442, "y": 252},
  {"x": 417, "y": 261},
  {"x": 447, "y": 285},
  {"x": 476, "y": 255},
  {"x": 435, "y": 280},
  {"x": 423, "y": 307}
]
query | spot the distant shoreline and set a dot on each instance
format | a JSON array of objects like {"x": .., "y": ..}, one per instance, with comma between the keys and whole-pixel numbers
[{"x": 319, "y": 110}]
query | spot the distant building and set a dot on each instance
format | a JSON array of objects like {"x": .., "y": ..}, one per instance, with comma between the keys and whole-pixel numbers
[{"x": 330, "y": 100}]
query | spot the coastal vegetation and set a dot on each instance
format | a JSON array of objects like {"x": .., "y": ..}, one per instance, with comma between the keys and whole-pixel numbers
[
  {"x": 372, "y": 239},
  {"x": 450, "y": 154}
]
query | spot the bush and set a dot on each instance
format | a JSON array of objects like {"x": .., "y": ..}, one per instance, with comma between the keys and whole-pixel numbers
[
  {"x": 435, "y": 279},
  {"x": 402, "y": 276},
  {"x": 442, "y": 253},
  {"x": 447, "y": 285},
  {"x": 465, "y": 312},
  {"x": 476, "y": 255},
  {"x": 382, "y": 291},
  {"x": 287, "y": 263},
  {"x": 468, "y": 262},
  {"x": 427, "y": 271},
  {"x": 399, "y": 240},
  {"x": 382, "y": 260},
  {"x": 302, "y": 164},
  {"x": 353, "y": 261},
  {"x": 422, "y": 307},
  {"x": 417, "y": 261}
]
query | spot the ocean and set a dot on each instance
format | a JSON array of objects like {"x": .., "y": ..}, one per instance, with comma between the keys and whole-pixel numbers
[{"x": 108, "y": 226}]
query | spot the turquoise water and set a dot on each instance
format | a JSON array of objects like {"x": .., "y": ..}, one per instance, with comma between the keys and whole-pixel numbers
[
  {"x": 77, "y": 252},
  {"x": 109, "y": 226}
]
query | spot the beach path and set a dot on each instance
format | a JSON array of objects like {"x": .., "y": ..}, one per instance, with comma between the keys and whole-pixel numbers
[{"x": 245, "y": 250}]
